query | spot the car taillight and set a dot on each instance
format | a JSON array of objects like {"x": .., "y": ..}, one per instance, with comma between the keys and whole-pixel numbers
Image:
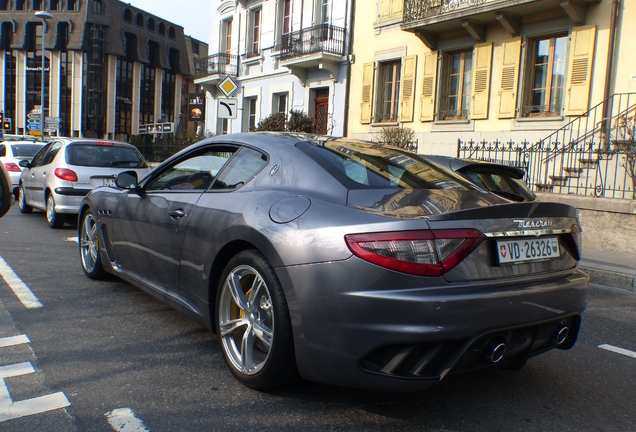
[
  {"x": 11, "y": 167},
  {"x": 65, "y": 174},
  {"x": 422, "y": 253}
]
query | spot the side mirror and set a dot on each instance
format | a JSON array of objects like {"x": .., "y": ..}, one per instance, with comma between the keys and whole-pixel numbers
[
  {"x": 126, "y": 180},
  {"x": 25, "y": 163},
  {"x": 6, "y": 197}
]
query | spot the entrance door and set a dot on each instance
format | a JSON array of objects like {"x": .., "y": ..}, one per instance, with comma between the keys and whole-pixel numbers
[{"x": 321, "y": 111}]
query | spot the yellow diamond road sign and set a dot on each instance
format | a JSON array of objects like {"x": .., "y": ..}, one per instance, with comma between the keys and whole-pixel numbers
[{"x": 227, "y": 86}]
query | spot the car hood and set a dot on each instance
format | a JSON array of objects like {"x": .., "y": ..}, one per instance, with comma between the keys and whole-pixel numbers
[{"x": 418, "y": 203}]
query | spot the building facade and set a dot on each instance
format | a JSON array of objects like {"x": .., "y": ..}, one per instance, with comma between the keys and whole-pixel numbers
[
  {"x": 487, "y": 70},
  {"x": 283, "y": 55},
  {"x": 108, "y": 67}
]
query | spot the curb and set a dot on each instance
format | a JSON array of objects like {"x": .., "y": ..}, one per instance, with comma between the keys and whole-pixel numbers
[{"x": 612, "y": 278}]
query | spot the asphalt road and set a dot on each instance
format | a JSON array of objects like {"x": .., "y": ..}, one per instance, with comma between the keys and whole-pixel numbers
[{"x": 107, "y": 346}]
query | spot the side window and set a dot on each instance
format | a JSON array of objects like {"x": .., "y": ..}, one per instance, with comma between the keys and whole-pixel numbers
[
  {"x": 240, "y": 170},
  {"x": 50, "y": 155},
  {"x": 195, "y": 172},
  {"x": 39, "y": 157},
  {"x": 3, "y": 150}
]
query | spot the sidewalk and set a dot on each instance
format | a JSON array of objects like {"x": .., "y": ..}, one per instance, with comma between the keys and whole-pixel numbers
[{"x": 610, "y": 269}]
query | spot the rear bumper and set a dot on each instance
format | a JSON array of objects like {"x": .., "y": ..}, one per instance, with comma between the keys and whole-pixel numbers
[
  {"x": 68, "y": 199},
  {"x": 361, "y": 326}
]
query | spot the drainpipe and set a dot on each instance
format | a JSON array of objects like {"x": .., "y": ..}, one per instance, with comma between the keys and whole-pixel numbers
[
  {"x": 345, "y": 126},
  {"x": 609, "y": 70}
]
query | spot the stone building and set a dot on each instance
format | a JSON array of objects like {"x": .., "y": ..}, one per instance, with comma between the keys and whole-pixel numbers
[{"x": 109, "y": 67}]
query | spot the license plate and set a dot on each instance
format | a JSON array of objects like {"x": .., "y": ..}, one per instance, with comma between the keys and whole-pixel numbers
[
  {"x": 109, "y": 182},
  {"x": 530, "y": 249}
]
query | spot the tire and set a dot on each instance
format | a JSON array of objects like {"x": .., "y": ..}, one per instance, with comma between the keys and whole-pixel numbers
[
  {"x": 22, "y": 205},
  {"x": 55, "y": 220},
  {"x": 253, "y": 325},
  {"x": 89, "y": 247}
]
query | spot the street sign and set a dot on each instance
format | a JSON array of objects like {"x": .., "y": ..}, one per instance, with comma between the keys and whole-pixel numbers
[
  {"x": 34, "y": 126},
  {"x": 227, "y": 108},
  {"x": 142, "y": 129},
  {"x": 227, "y": 86}
]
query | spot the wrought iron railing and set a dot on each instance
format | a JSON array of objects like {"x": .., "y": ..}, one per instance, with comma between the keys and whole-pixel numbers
[
  {"x": 417, "y": 10},
  {"x": 541, "y": 110},
  {"x": 593, "y": 155},
  {"x": 323, "y": 38},
  {"x": 453, "y": 115},
  {"x": 216, "y": 64}
]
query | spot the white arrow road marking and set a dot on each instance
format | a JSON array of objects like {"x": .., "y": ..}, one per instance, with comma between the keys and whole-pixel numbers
[
  {"x": 19, "y": 288},
  {"x": 618, "y": 350},
  {"x": 14, "y": 340},
  {"x": 71, "y": 239},
  {"x": 124, "y": 420},
  {"x": 11, "y": 410}
]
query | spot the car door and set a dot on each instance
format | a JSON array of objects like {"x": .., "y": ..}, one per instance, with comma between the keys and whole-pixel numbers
[
  {"x": 32, "y": 178},
  {"x": 148, "y": 225}
]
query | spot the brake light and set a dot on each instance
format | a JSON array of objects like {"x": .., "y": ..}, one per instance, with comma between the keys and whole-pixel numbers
[
  {"x": 65, "y": 174},
  {"x": 104, "y": 143},
  {"x": 422, "y": 253},
  {"x": 11, "y": 167}
]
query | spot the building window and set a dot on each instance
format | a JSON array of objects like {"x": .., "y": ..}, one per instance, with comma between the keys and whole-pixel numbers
[
  {"x": 168, "y": 97},
  {"x": 250, "y": 108},
  {"x": 37, "y": 5},
  {"x": 455, "y": 103},
  {"x": 195, "y": 48},
  {"x": 147, "y": 94},
  {"x": 286, "y": 23},
  {"x": 97, "y": 7},
  {"x": 151, "y": 24},
  {"x": 73, "y": 5},
  {"x": 56, "y": 5},
  {"x": 124, "y": 103},
  {"x": 255, "y": 33},
  {"x": 280, "y": 103},
  {"x": 171, "y": 32},
  {"x": 226, "y": 41},
  {"x": 389, "y": 80},
  {"x": 127, "y": 15},
  {"x": 547, "y": 86},
  {"x": 139, "y": 20},
  {"x": 4, "y": 4},
  {"x": 20, "y": 5},
  {"x": 324, "y": 13}
]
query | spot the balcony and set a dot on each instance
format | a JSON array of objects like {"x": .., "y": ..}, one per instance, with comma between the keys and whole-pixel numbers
[
  {"x": 431, "y": 20},
  {"x": 318, "y": 47},
  {"x": 214, "y": 68}
]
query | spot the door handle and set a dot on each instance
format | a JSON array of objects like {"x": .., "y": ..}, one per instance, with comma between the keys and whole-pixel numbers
[{"x": 177, "y": 214}]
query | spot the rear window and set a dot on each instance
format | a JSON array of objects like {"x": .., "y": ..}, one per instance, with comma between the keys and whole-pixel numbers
[
  {"x": 500, "y": 183},
  {"x": 362, "y": 165},
  {"x": 25, "y": 150},
  {"x": 94, "y": 155}
]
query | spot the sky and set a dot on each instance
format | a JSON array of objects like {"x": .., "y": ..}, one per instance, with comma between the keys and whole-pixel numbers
[{"x": 193, "y": 15}]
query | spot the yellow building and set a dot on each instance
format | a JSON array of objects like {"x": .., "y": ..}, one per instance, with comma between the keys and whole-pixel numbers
[{"x": 488, "y": 70}]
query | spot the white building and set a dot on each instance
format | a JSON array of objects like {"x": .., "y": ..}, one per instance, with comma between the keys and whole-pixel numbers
[{"x": 283, "y": 55}]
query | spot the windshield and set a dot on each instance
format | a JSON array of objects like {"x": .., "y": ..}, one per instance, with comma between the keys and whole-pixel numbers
[
  {"x": 99, "y": 155},
  {"x": 25, "y": 150},
  {"x": 363, "y": 165}
]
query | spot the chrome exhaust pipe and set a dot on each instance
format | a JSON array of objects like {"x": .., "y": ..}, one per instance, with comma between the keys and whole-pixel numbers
[
  {"x": 561, "y": 335},
  {"x": 494, "y": 351}
]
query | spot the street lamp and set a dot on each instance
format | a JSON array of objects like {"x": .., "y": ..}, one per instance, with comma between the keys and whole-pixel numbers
[{"x": 44, "y": 15}]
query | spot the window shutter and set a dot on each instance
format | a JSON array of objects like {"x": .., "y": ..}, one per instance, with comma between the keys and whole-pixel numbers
[
  {"x": 407, "y": 88},
  {"x": 385, "y": 9},
  {"x": 580, "y": 70},
  {"x": 367, "y": 92},
  {"x": 510, "y": 52},
  {"x": 481, "y": 81},
  {"x": 397, "y": 7},
  {"x": 427, "y": 101}
]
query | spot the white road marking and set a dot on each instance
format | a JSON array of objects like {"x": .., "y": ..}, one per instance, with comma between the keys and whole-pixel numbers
[
  {"x": 11, "y": 410},
  {"x": 71, "y": 239},
  {"x": 14, "y": 340},
  {"x": 618, "y": 350},
  {"x": 124, "y": 420},
  {"x": 19, "y": 288}
]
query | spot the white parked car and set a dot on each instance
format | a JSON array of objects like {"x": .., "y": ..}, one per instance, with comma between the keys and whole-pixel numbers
[{"x": 11, "y": 153}]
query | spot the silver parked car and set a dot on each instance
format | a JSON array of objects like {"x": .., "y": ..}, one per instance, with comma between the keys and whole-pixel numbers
[
  {"x": 66, "y": 169},
  {"x": 344, "y": 261},
  {"x": 11, "y": 153}
]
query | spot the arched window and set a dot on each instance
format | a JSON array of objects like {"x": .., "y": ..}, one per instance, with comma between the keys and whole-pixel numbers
[
  {"x": 171, "y": 32},
  {"x": 139, "y": 20},
  {"x": 162, "y": 28},
  {"x": 127, "y": 15},
  {"x": 97, "y": 7},
  {"x": 151, "y": 24}
]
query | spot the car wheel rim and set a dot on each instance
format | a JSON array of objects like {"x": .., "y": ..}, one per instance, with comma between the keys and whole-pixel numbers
[
  {"x": 50, "y": 209},
  {"x": 246, "y": 319},
  {"x": 88, "y": 243}
]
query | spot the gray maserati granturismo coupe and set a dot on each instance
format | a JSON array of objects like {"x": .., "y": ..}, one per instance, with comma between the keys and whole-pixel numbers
[{"x": 341, "y": 261}]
